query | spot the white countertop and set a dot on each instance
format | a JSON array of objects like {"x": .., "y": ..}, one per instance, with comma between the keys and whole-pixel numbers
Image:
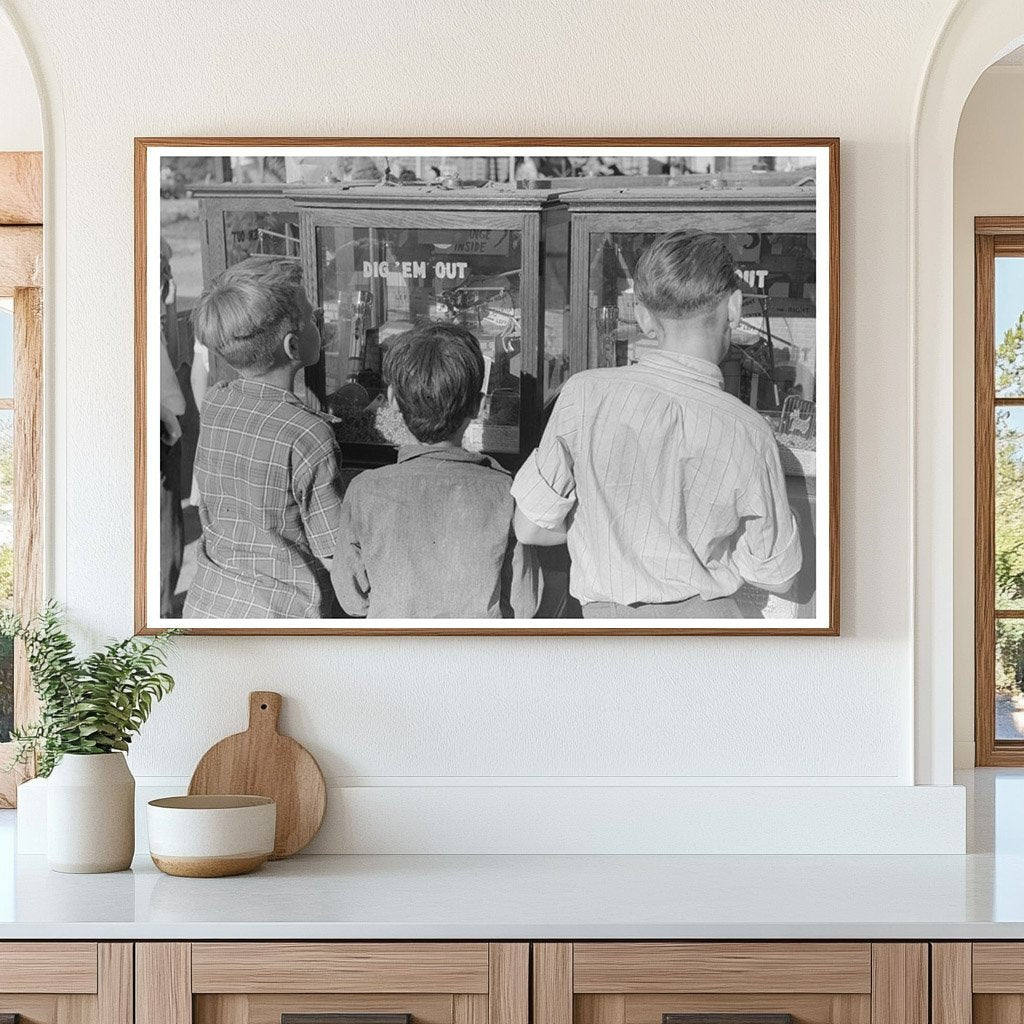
[
  {"x": 977, "y": 896},
  {"x": 517, "y": 897}
]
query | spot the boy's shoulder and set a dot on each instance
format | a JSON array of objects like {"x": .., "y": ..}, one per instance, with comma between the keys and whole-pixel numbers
[
  {"x": 437, "y": 472},
  {"x": 718, "y": 404},
  {"x": 285, "y": 414},
  {"x": 750, "y": 419}
]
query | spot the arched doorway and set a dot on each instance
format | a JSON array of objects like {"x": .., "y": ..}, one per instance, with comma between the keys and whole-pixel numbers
[
  {"x": 21, "y": 250},
  {"x": 977, "y": 33}
]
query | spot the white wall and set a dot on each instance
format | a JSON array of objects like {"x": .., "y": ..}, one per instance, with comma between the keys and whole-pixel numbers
[
  {"x": 988, "y": 182},
  {"x": 437, "y": 713},
  {"x": 21, "y": 126}
]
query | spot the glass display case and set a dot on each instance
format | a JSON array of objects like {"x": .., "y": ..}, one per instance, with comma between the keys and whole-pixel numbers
[
  {"x": 238, "y": 221},
  {"x": 383, "y": 258},
  {"x": 543, "y": 278},
  {"x": 771, "y": 233},
  {"x": 772, "y": 362}
]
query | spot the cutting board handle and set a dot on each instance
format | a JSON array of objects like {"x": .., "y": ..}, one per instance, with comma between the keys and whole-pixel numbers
[{"x": 264, "y": 710}]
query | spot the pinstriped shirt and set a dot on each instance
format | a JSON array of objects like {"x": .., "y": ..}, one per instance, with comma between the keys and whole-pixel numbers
[
  {"x": 267, "y": 472},
  {"x": 672, "y": 487}
]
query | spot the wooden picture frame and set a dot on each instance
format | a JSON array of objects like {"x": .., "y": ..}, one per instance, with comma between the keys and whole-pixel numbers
[{"x": 320, "y": 208}]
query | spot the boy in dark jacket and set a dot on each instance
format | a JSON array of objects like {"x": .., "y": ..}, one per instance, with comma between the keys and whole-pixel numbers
[{"x": 432, "y": 537}]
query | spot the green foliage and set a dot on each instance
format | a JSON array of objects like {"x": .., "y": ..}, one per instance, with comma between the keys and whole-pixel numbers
[
  {"x": 1009, "y": 656},
  {"x": 1009, "y": 511},
  {"x": 1010, "y": 361},
  {"x": 6, "y": 572},
  {"x": 6, "y": 688},
  {"x": 90, "y": 705},
  {"x": 1009, "y": 466}
]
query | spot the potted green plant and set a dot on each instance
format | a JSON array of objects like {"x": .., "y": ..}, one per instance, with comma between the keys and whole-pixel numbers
[{"x": 90, "y": 708}]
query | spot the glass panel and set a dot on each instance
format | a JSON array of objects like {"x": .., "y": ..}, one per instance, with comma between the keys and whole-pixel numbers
[
  {"x": 375, "y": 283},
  {"x": 1009, "y": 679},
  {"x": 6, "y": 567},
  {"x": 6, "y": 353},
  {"x": 1009, "y": 510},
  {"x": 771, "y": 365},
  {"x": 556, "y": 307},
  {"x": 249, "y": 233},
  {"x": 1009, "y": 327}
]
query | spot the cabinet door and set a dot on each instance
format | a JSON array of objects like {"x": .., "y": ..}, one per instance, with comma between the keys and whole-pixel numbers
[
  {"x": 66, "y": 983},
  {"x": 981, "y": 982},
  {"x": 730, "y": 983},
  {"x": 332, "y": 983}
]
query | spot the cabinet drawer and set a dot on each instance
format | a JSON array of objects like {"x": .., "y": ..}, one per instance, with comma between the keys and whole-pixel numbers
[
  {"x": 730, "y": 983},
  {"x": 340, "y": 967},
  {"x": 332, "y": 983},
  {"x": 58, "y": 967},
  {"x": 635, "y": 967},
  {"x": 998, "y": 967}
]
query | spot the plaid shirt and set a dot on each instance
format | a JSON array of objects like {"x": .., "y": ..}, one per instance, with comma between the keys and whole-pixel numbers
[{"x": 270, "y": 498}]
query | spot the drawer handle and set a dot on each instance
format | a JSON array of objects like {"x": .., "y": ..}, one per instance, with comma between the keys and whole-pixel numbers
[
  {"x": 339, "y": 1018},
  {"x": 727, "y": 1018}
]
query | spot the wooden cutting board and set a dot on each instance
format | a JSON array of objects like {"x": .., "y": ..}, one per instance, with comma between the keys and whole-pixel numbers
[{"x": 262, "y": 762}]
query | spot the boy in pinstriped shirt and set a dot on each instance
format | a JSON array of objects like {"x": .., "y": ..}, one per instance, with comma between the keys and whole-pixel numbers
[
  {"x": 668, "y": 490},
  {"x": 266, "y": 465}
]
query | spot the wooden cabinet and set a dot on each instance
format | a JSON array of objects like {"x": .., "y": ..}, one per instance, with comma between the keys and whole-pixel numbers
[
  {"x": 497, "y": 983},
  {"x": 261, "y": 982},
  {"x": 654, "y": 982},
  {"x": 66, "y": 982}
]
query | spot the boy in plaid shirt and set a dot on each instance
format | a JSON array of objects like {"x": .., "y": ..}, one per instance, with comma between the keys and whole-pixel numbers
[{"x": 266, "y": 465}]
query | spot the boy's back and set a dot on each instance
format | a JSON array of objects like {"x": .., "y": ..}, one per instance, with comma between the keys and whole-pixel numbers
[
  {"x": 266, "y": 469},
  {"x": 431, "y": 537},
  {"x": 674, "y": 486}
]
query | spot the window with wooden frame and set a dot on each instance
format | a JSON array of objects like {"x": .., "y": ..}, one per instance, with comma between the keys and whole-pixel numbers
[{"x": 21, "y": 365}]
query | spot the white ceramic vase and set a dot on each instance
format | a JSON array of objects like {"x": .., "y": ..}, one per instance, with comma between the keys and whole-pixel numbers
[{"x": 90, "y": 814}]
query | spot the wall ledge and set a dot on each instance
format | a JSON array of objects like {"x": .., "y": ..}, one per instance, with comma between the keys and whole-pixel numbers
[{"x": 529, "y": 819}]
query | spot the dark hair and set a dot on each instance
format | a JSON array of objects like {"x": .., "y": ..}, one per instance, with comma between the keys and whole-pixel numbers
[
  {"x": 437, "y": 371},
  {"x": 683, "y": 273},
  {"x": 244, "y": 315}
]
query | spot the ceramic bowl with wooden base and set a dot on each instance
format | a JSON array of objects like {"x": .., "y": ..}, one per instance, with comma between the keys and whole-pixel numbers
[{"x": 211, "y": 836}]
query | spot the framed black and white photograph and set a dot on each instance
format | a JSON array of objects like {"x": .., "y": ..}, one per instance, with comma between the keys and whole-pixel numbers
[{"x": 487, "y": 386}]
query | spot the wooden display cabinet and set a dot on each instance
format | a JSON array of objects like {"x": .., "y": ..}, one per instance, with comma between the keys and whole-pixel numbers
[
  {"x": 237, "y": 221},
  {"x": 771, "y": 366},
  {"x": 378, "y": 259},
  {"x": 770, "y": 232}
]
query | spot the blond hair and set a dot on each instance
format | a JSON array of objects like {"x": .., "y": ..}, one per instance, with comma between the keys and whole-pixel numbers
[
  {"x": 247, "y": 312},
  {"x": 683, "y": 274}
]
